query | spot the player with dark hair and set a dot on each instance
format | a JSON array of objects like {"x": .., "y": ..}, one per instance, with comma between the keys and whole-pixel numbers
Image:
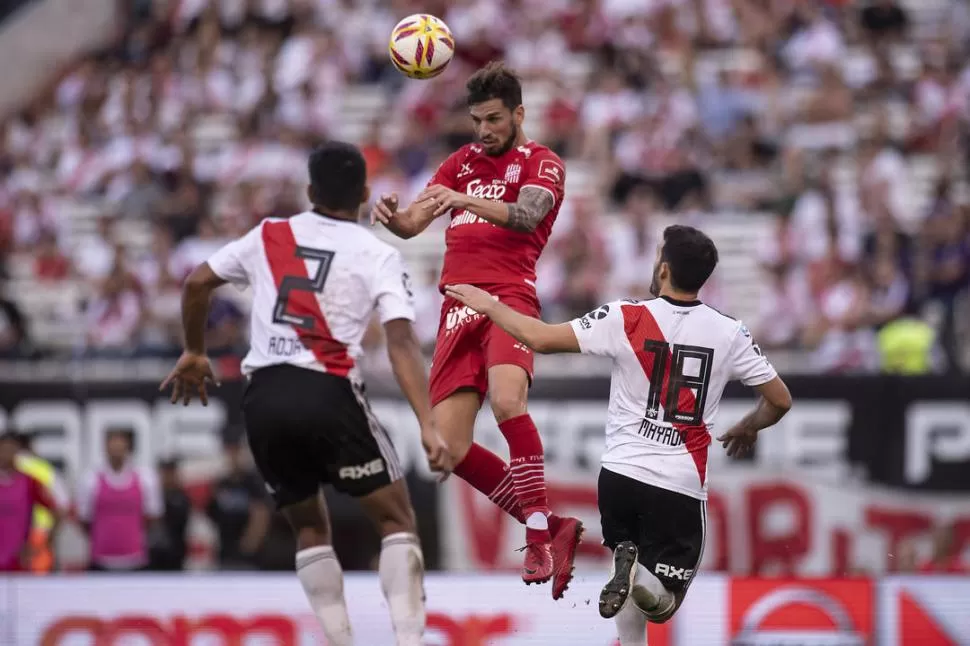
[
  {"x": 672, "y": 357},
  {"x": 317, "y": 279},
  {"x": 503, "y": 194}
]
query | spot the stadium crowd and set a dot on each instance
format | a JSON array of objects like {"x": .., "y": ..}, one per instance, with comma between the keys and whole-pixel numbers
[{"x": 844, "y": 123}]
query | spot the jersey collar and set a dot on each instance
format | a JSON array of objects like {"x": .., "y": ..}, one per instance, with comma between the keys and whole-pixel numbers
[{"x": 680, "y": 303}]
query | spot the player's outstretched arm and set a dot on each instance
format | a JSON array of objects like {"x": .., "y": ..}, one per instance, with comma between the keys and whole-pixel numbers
[
  {"x": 404, "y": 352},
  {"x": 538, "y": 335},
  {"x": 193, "y": 369},
  {"x": 774, "y": 403},
  {"x": 524, "y": 214},
  {"x": 404, "y": 223}
]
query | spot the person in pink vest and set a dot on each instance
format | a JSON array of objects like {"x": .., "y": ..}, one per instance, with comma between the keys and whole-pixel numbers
[
  {"x": 117, "y": 505},
  {"x": 19, "y": 493}
]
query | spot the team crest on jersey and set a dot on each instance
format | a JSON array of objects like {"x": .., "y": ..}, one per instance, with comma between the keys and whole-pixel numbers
[{"x": 512, "y": 173}]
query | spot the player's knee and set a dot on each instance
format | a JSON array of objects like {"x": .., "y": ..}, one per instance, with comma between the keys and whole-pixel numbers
[{"x": 508, "y": 404}]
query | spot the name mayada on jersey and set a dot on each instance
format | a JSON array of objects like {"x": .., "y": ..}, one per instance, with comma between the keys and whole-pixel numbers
[{"x": 671, "y": 363}]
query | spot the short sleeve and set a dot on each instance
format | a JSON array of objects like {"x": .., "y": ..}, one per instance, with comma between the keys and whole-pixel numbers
[
  {"x": 152, "y": 493},
  {"x": 393, "y": 296},
  {"x": 446, "y": 175},
  {"x": 230, "y": 262},
  {"x": 748, "y": 362},
  {"x": 85, "y": 496},
  {"x": 546, "y": 170},
  {"x": 601, "y": 332}
]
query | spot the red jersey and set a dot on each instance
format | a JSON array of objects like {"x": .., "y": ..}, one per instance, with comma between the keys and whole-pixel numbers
[{"x": 481, "y": 253}]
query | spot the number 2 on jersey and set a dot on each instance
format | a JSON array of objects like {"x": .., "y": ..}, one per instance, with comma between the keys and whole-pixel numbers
[
  {"x": 668, "y": 383},
  {"x": 302, "y": 284}
]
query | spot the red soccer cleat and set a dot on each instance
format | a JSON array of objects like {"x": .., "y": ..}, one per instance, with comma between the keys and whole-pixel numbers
[
  {"x": 567, "y": 534},
  {"x": 538, "y": 564}
]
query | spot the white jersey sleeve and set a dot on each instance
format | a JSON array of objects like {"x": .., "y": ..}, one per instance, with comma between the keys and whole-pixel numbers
[
  {"x": 230, "y": 263},
  {"x": 601, "y": 332},
  {"x": 748, "y": 363},
  {"x": 393, "y": 296}
]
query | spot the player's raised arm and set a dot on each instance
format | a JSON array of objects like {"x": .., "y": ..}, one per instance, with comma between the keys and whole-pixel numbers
[{"x": 538, "y": 335}]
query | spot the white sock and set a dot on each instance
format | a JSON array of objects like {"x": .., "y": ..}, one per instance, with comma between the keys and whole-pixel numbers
[
  {"x": 323, "y": 582},
  {"x": 401, "y": 572},
  {"x": 658, "y": 600},
  {"x": 537, "y": 520},
  {"x": 631, "y": 625}
]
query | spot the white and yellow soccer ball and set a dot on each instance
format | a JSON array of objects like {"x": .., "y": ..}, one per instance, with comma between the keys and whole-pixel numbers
[{"x": 421, "y": 46}]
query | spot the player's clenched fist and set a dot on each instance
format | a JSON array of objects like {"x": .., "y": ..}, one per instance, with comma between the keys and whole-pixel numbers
[
  {"x": 475, "y": 298},
  {"x": 439, "y": 459},
  {"x": 384, "y": 209}
]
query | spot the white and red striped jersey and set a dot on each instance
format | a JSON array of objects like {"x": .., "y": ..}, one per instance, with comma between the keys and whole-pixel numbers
[
  {"x": 316, "y": 283},
  {"x": 671, "y": 362}
]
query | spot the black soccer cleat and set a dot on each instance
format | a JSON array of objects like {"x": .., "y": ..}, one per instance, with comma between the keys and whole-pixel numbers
[{"x": 617, "y": 590}]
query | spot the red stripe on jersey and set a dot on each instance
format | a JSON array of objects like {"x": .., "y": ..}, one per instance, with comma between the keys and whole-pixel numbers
[
  {"x": 280, "y": 248},
  {"x": 641, "y": 326}
]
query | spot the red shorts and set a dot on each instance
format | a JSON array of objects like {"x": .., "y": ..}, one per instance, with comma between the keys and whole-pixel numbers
[{"x": 468, "y": 344}]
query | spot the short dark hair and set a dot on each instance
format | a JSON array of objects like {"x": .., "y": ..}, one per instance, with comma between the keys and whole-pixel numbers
[
  {"x": 495, "y": 81},
  {"x": 338, "y": 176},
  {"x": 691, "y": 256}
]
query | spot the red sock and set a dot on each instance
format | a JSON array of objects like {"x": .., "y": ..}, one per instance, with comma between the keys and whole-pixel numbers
[
  {"x": 526, "y": 463},
  {"x": 489, "y": 474}
]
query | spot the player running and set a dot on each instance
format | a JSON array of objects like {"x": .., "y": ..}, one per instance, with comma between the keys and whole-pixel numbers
[
  {"x": 317, "y": 278},
  {"x": 503, "y": 195},
  {"x": 672, "y": 357}
]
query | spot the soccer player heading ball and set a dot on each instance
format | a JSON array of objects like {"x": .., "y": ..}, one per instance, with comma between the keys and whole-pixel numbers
[{"x": 502, "y": 194}]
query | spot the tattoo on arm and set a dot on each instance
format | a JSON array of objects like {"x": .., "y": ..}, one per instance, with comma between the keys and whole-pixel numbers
[{"x": 532, "y": 206}]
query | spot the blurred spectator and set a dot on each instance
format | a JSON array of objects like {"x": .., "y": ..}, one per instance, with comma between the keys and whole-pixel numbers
[
  {"x": 226, "y": 326},
  {"x": 883, "y": 20},
  {"x": 146, "y": 196},
  {"x": 239, "y": 509},
  {"x": 170, "y": 548},
  {"x": 582, "y": 253},
  {"x": 14, "y": 339},
  {"x": 199, "y": 118},
  {"x": 19, "y": 494},
  {"x": 114, "y": 317},
  {"x": 50, "y": 265},
  {"x": 118, "y": 504},
  {"x": 948, "y": 273}
]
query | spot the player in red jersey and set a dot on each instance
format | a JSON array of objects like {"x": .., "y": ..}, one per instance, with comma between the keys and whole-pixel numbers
[{"x": 503, "y": 194}]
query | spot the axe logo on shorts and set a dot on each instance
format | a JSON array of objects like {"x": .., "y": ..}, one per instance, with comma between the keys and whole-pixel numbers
[
  {"x": 671, "y": 572},
  {"x": 359, "y": 471}
]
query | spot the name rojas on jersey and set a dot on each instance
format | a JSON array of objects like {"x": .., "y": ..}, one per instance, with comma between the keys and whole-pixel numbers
[
  {"x": 316, "y": 284},
  {"x": 671, "y": 363}
]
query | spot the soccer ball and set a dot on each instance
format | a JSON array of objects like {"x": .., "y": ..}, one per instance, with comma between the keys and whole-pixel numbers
[{"x": 421, "y": 46}]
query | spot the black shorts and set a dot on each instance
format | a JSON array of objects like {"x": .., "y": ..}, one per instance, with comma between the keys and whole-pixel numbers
[
  {"x": 667, "y": 527},
  {"x": 308, "y": 428}
]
